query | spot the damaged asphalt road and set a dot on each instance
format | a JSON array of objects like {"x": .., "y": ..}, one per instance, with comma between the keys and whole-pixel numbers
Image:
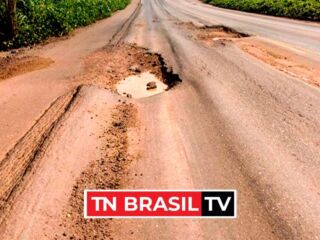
[{"x": 236, "y": 110}]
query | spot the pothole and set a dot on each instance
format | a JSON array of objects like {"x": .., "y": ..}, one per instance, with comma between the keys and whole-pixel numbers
[
  {"x": 211, "y": 34},
  {"x": 128, "y": 69},
  {"x": 140, "y": 86}
]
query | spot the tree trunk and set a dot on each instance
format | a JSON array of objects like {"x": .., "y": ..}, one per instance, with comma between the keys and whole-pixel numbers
[{"x": 11, "y": 18}]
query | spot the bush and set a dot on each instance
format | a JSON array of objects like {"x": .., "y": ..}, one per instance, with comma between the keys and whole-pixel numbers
[
  {"x": 300, "y": 9},
  {"x": 2, "y": 19},
  {"x": 39, "y": 19}
]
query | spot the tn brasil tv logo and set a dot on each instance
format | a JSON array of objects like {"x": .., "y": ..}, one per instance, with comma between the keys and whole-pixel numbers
[{"x": 160, "y": 204}]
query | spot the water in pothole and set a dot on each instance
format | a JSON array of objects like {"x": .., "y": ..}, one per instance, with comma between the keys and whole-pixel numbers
[{"x": 140, "y": 86}]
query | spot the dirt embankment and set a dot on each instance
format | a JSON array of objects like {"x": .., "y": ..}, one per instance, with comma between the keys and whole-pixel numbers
[{"x": 104, "y": 173}]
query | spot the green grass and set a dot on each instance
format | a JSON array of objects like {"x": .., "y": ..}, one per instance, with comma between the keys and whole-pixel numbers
[
  {"x": 299, "y": 9},
  {"x": 40, "y": 19}
]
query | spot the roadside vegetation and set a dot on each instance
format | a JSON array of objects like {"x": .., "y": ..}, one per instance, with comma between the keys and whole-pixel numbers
[
  {"x": 300, "y": 9},
  {"x": 24, "y": 22}
]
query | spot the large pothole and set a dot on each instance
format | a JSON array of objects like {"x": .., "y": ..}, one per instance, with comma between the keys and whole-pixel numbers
[{"x": 129, "y": 70}]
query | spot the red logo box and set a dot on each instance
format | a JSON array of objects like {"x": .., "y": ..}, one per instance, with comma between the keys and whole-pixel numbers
[{"x": 160, "y": 204}]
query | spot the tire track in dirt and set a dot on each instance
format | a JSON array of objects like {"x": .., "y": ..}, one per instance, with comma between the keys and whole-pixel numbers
[
  {"x": 119, "y": 35},
  {"x": 22, "y": 156}
]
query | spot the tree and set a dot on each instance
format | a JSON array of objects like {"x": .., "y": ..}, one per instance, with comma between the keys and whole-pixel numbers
[{"x": 11, "y": 8}]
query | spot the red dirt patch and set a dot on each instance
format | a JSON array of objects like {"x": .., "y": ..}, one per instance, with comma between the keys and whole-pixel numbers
[
  {"x": 108, "y": 172},
  {"x": 11, "y": 66},
  {"x": 283, "y": 59}
]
